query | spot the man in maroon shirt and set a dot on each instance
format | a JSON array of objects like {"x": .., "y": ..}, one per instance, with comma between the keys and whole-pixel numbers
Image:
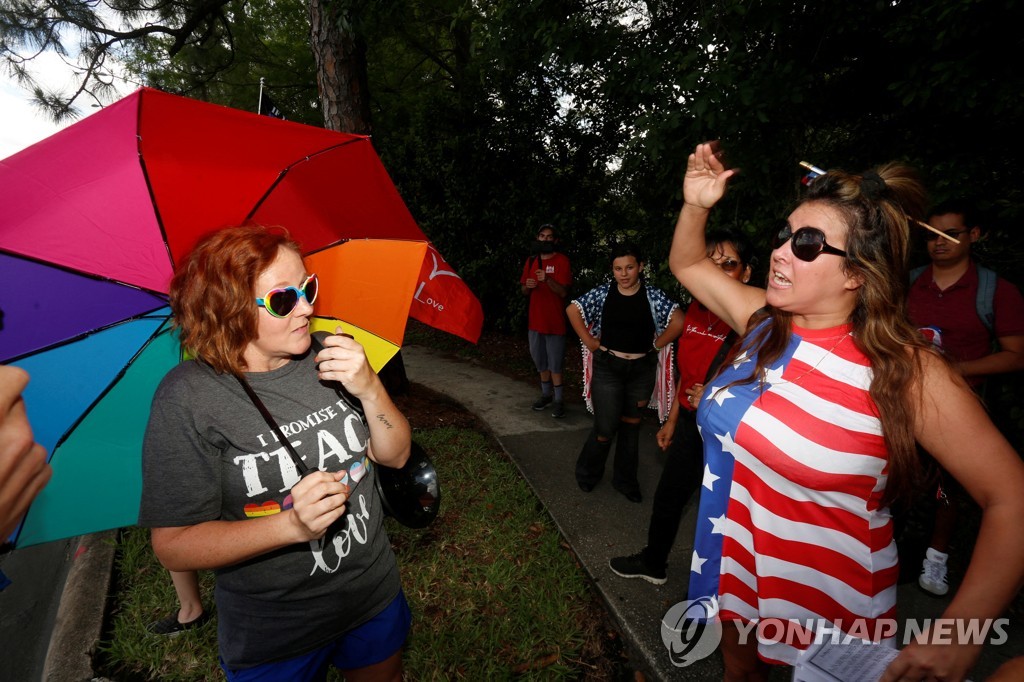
[
  {"x": 546, "y": 279},
  {"x": 945, "y": 297}
]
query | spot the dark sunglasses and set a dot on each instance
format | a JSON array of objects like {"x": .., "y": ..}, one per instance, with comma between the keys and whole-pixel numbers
[
  {"x": 729, "y": 265},
  {"x": 955, "y": 234},
  {"x": 808, "y": 242},
  {"x": 281, "y": 302}
]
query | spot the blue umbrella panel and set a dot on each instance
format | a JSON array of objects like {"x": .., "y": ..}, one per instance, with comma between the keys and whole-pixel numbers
[{"x": 95, "y": 357}]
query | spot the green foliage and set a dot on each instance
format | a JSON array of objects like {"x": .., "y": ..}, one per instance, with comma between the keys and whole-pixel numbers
[
  {"x": 495, "y": 116},
  {"x": 839, "y": 84},
  {"x": 470, "y": 121},
  {"x": 263, "y": 39},
  {"x": 86, "y": 34}
]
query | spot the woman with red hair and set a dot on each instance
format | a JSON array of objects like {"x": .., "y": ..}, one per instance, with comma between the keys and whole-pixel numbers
[{"x": 305, "y": 573}]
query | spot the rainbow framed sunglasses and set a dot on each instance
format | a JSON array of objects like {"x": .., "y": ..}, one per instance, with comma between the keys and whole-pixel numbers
[{"x": 281, "y": 302}]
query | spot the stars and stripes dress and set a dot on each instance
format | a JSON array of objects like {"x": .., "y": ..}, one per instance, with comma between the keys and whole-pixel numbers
[{"x": 790, "y": 522}]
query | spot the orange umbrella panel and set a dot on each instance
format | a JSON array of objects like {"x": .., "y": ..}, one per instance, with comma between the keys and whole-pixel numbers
[{"x": 368, "y": 283}]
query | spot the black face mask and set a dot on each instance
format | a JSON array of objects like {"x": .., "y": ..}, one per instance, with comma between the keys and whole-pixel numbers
[{"x": 540, "y": 246}]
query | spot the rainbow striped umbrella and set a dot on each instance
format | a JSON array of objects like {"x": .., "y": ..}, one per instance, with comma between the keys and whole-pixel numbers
[{"x": 92, "y": 223}]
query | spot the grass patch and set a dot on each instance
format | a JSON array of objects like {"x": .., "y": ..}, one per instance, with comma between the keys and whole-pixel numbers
[
  {"x": 143, "y": 594},
  {"x": 494, "y": 591}
]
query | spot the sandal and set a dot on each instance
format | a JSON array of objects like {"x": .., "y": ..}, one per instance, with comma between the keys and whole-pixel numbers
[{"x": 170, "y": 626}]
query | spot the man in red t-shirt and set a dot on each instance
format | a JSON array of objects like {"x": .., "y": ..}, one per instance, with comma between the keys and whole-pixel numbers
[
  {"x": 546, "y": 279},
  {"x": 944, "y": 297}
]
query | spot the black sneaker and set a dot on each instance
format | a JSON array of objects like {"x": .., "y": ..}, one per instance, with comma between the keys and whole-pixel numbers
[
  {"x": 558, "y": 409},
  {"x": 634, "y": 566},
  {"x": 542, "y": 402}
]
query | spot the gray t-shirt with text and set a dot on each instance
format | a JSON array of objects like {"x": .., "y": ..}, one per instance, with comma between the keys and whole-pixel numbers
[{"x": 209, "y": 455}]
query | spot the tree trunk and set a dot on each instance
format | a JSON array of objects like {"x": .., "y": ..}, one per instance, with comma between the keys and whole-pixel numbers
[{"x": 340, "y": 57}]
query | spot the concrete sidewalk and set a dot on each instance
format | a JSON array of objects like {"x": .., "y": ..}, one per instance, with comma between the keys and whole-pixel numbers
[{"x": 598, "y": 526}]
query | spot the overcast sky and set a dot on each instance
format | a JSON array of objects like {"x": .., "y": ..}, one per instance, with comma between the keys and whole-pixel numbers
[{"x": 21, "y": 124}]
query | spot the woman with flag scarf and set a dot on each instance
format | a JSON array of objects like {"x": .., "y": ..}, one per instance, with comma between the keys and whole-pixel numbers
[
  {"x": 812, "y": 431},
  {"x": 626, "y": 328}
]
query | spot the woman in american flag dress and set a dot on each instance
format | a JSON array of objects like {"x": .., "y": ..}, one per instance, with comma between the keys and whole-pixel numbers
[{"x": 812, "y": 431}]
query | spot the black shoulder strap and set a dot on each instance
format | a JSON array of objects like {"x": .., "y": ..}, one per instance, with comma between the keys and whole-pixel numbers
[
  {"x": 350, "y": 400},
  {"x": 267, "y": 417},
  {"x": 721, "y": 355}
]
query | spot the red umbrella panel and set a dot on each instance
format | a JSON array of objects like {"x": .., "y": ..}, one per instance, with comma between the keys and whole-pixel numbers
[{"x": 92, "y": 222}]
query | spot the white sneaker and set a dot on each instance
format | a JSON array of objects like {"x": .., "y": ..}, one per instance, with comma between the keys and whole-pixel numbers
[{"x": 933, "y": 573}]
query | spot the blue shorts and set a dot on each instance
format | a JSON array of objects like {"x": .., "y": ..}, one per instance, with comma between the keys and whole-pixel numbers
[{"x": 374, "y": 641}]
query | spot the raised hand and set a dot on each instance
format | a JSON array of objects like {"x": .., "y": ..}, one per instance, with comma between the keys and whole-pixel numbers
[{"x": 706, "y": 176}]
